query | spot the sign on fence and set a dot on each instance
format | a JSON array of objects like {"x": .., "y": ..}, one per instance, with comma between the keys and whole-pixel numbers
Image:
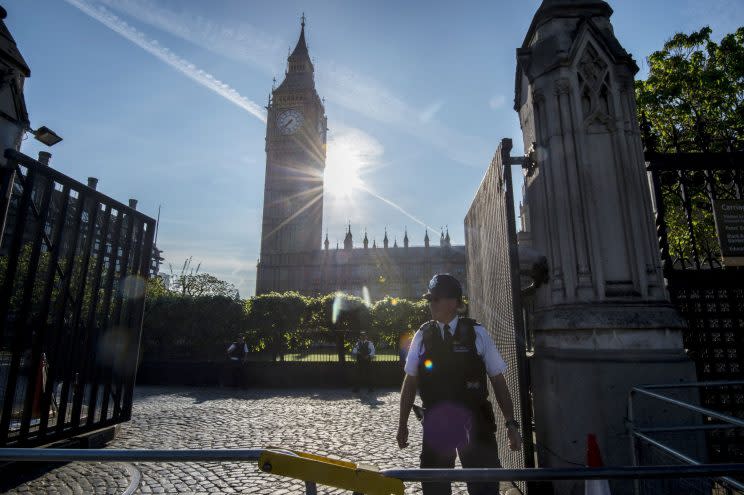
[{"x": 729, "y": 215}]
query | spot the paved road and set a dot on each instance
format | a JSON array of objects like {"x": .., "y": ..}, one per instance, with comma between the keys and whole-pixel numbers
[{"x": 328, "y": 422}]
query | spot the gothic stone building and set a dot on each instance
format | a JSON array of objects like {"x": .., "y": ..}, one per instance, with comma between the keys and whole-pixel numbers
[{"x": 291, "y": 254}]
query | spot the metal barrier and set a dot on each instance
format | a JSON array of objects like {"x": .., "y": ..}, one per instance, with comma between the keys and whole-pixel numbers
[
  {"x": 362, "y": 478},
  {"x": 645, "y": 434},
  {"x": 73, "y": 265}
]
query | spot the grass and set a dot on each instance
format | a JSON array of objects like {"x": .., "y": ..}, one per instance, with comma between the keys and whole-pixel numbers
[{"x": 320, "y": 357}]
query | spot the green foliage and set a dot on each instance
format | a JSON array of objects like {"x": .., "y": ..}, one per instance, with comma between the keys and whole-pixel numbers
[
  {"x": 277, "y": 316},
  {"x": 692, "y": 101},
  {"x": 692, "y": 98},
  {"x": 275, "y": 324},
  {"x": 156, "y": 288},
  {"x": 178, "y": 327},
  {"x": 392, "y": 316},
  {"x": 80, "y": 298},
  {"x": 189, "y": 282}
]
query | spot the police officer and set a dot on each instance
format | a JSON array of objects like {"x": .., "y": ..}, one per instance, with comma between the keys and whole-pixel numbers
[
  {"x": 364, "y": 352},
  {"x": 238, "y": 350},
  {"x": 237, "y": 353},
  {"x": 449, "y": 362}
]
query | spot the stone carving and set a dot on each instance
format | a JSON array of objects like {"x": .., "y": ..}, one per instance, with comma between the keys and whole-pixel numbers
[
  {"x": 562, "y": 86},
  {"x": 594, "y": 87},
  {"x": 592, "y": 67},
  {"x": 538, "y": 96}
]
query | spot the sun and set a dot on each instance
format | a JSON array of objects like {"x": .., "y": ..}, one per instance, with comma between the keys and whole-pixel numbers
[
  {"x": 342, "y": 179},
  {"x": 351, "y": 153}
]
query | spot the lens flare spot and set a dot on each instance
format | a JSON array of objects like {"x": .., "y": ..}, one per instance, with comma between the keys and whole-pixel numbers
[
  {"x": 133, "y": 287},
  {"x": 366, "y": 297},
  {"x": 394, "y": 301},
  {"x": 113, "y": 348},
  {"x": 339, "y": 304},
  {"x": 428, "y": 364}
]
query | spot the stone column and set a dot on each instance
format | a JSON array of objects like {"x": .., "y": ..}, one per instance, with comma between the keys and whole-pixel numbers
[{"x": 604, "y": 322}]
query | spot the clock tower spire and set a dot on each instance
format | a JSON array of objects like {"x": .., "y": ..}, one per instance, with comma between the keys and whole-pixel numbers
[{"x": 295, "y": 161}]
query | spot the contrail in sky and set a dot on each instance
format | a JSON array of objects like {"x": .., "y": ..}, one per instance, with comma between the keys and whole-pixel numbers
[
  {"x": 113, "y": 22},
  {"x": 396, "y": 206}
]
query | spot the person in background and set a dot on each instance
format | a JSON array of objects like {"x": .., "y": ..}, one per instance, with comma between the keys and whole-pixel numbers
[
  {"x": 237, "y": 353},
  {"x": 238, "y": 350},
  {"x": 363, "y": 352}
]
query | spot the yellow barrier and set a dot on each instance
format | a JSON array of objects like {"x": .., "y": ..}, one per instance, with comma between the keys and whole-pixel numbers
[{"x": 329, "y": 472}]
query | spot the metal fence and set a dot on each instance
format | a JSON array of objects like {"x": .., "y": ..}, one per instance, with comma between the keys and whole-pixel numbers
[
  {"x": 679, "y": 444},
  {"x": 494, "y": 284},
  {"x": 308, "y": 346},
  {"x": 709, "y": 295},
  {"x": 73, "y": 266}
]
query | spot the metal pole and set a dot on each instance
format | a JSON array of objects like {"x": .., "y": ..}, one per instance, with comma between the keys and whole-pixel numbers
[
  {"x": 692, "y": 407},
  {"x": 121, "y": 455},
  {"x": 7, "y": 178},
  {"x": 633, "y": 452},
  {"x": 667, "y": 429},
  {"x": 546, "y": 474},
  {"x": 682, "y": 457},
  {"x": 691, "y": 384}
]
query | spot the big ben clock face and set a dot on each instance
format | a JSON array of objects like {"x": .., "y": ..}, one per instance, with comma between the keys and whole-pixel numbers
[{"x": 289, "y": 121}]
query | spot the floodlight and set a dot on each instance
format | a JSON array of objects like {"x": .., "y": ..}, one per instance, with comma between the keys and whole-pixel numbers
[{"x": 46, "y": 136}]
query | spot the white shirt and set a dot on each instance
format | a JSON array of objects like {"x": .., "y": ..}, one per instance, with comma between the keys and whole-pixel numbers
[
  {"x": 484, "y": 346},
  {"x": 355, "y": 350},
  {"x": 234, "y": 347}
]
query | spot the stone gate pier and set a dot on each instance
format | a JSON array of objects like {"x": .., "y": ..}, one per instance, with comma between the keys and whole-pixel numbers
[{"x": 603, "y": 323}]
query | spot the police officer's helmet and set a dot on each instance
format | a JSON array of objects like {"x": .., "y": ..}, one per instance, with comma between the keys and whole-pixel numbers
[{"x": 444, "y": 285}]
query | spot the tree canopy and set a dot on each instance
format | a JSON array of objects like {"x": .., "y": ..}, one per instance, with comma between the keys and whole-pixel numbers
[
  {"x": 692, "y": 100},
  {"x": 189, "y": 282}
]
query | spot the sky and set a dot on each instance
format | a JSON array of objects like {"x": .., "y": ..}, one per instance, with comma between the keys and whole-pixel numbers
[{"x": 162, "y": 101}]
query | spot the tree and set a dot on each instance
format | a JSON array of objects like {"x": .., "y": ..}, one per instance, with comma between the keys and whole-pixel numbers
[
  {"x": 156, "y": 288},
  {"x": 189, "y": 282},
  {"x": 393, "y": 316},
  {"x": 195, "y": 328},
  {"x": 692, "y": 98},
  {"x": 692, "y": 101},
  {"x": 277, "y": 316},
  {"x": 344, "y": 314}
]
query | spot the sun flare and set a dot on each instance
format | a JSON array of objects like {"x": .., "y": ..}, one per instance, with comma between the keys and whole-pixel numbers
[
  {"x": 341, "y": 179},
  {"x": 350, "y": 152}
]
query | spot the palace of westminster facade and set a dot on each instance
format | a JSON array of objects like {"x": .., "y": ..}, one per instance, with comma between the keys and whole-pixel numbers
[{"x": 291, "y": 257}]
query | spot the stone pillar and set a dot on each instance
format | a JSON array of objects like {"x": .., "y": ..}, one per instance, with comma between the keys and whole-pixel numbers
[{"x": 604, "y": 322}]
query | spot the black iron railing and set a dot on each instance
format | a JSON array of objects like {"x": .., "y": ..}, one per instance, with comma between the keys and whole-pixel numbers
[
  {"x": 307, "y": 346},
  {"x": 707, "y": 293},
  {"x": 73, "y": 266}
]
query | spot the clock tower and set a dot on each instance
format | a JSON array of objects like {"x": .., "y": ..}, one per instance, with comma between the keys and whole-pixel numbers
[{"x": 295, "y": 161}]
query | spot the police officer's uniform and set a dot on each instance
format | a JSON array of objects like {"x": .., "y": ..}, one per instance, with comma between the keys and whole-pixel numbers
[
  {"x": 363, "y": 351},
  {"x": 453, "y": 362}
]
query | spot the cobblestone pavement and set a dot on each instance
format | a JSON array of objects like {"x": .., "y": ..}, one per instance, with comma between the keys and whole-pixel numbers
[{"x": 337, "y": 423}]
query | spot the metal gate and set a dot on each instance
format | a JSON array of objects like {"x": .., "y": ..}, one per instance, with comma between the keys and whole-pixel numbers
[
  {"x": 73, "y": 266},
  {"x": 494, "y": 288},
  {"x": 709, "y": 295}
]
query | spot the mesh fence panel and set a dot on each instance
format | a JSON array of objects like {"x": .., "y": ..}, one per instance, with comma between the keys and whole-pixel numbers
[{"x": 493, "y": 288}]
